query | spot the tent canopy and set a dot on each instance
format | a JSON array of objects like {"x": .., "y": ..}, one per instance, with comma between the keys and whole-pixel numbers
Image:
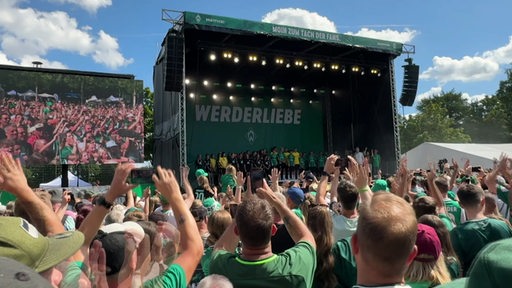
[
  {"x": 482, "y": 155},
  {"x": 73, "y": 182}
]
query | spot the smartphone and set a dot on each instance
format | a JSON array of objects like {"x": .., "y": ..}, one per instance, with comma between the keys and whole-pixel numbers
[
  {"x": 142, "y": 175},
  {"x": 417, "y": 174},
  {"x": 338, "y": 163},
  {"x": 476, "y": 169},
  {"x": 257, "y": 176}
]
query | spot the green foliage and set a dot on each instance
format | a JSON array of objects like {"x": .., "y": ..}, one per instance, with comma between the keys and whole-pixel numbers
[
  {"x": 451, "y": 118},
  {"x": 149, "y": 126}
]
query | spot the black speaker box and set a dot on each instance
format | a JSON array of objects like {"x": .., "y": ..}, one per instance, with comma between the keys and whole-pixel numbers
[{"x": 410, "y": 85}]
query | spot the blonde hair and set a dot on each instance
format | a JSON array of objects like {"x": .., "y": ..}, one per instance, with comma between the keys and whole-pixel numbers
[
  {"x": 217, "y": 224},
  {"x": 230, "y": 169},
  {"x": 434, "y": 272}
]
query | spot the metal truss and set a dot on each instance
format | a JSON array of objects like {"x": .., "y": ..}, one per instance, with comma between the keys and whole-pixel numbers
[{"x": 396, "y": 128}]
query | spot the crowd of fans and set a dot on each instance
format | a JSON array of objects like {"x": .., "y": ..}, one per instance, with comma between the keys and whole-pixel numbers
[
  {"x": 41, "y": 132},
  {"x": 344, "y": 228}
]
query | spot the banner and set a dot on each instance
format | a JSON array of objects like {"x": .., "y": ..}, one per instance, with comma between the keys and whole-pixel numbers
[
  {"x": 215, "y": 126},
  {"x": 197, "y": 20}
]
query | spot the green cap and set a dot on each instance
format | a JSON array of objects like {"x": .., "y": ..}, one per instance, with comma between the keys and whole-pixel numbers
[
  {"x": 211, "y": 205},
  {"x": 22, "y": 242},
  {"x": 201, "y": 172}
]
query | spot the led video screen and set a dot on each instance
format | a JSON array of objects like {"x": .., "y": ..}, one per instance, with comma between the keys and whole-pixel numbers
[{"x": 50, "y": 116}]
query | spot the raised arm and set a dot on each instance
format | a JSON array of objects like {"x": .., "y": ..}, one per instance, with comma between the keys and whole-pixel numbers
[
  {"x": 189, "y": 199},
  {"x": 360, "y": 179},
  {"x": 296, "y": 228},
  {"x": 191, "y": 243},
  {"x": 322, "y": 185},
  {"x": 434, "y": 191},
  {"x": 13, "y": 179}
]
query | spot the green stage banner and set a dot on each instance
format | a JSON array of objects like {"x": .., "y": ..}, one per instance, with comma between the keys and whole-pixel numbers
[
  {"x": 197, "y": 19},
  {"x": 222, "y": 125}
]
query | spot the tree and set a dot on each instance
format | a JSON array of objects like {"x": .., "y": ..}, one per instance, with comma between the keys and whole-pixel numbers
[
  {"x": 430, "y": 125},
  {"x": 149, "y": 126},
  {"x": 456, "y": 106},
  {"x": 486, "y": 121},
  {"x": 504, "y": 95}
]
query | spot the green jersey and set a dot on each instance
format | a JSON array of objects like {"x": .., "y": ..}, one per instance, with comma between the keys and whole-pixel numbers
[
  {"x": 344, "y": 263},
  {"x": 294, "y": 267},
  {"x": 453, "y": 208},
  {"x": 174, "y": 277},
  {"x": 470, "y": 237}
]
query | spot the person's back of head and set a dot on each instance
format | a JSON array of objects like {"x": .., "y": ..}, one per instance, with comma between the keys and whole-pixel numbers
[
  {"x": 386, "y": 235},
  {"x": 348, "y": 195},
  {"x": 442, "y": 184},
  {"x": 254, "y": 222},
  {"x": 470, "y": 196},
  {"x": 425, "y": 205},
  {"x": 116, "y": 215},
  {"x": 215, "y": 281},
  {"x": 217, "y": 224}
]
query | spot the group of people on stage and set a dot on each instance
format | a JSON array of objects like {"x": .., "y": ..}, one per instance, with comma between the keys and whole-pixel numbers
[{"x": 290, "y": 162}]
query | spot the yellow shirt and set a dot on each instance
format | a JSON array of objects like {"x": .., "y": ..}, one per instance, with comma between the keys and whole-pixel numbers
[{"x": 296, "y": 158}]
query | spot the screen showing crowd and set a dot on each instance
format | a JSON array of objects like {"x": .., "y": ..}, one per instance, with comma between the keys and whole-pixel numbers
[{"x": 58, "y": 118}]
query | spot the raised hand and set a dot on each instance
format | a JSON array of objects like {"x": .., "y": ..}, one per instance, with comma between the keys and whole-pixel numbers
[
  {"x": 12, "y": 178},
  {"x": 329, "y": 165},
  {"x": 166, "y": 183},
  {"x": 119, "y": 186}
]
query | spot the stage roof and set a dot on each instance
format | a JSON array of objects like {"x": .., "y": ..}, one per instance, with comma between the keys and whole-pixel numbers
[{"x": 238, "y": 26}]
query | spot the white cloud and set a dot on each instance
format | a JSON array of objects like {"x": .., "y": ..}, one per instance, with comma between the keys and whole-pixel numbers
[
  {"x": 27, "y": 32},
  {"x": 473, "y": 98},
  {"x": 405, "y": 36},
  {"x": 469, "y": 68},
  {"x": 434, "y": 91},
  {"x": 300, "y": 18},
  {"x": 91, "y": 6}
]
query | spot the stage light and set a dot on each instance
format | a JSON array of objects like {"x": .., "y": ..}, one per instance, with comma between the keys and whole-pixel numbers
[
  {"x": 229, "y": 84},
  {"x": 263, "y": 61},
  {"x": 271, "y": 99},
  {"x": 214, "y": 96},
  {"x": 291, "y": 100},
  {"x": 236, "y": 59},
  {"x": 288, "y": 65},
  {"x": 362, "y": 71},
  {"x": 292, "y": 89},
  {"x": 343, "y": 69},
  {"x": 274, "y": 87},
  {"x": 315, "y": 91},
  {"x": 253, "y": 86},
  {"x": 335, "y": 66},
  {"x": 253, "y": 99},
  {"x": 306, "y": 67},
  {"x": 317, "y": 65},
  {"x": 213, "y": 57},
  {"x": 187, "y": 81},
  {"x": 253, "y": 58},
  {"x": 333, "y": 92},
  {"x": 205, "y": 83},
  {"x": 298, "y": 62},
  {"x": 192, "y": 95},
  {"x": 231, "y": 97},
  {"x": 323, "y": 68},
  {"x": 310, "y": 101},
  {"x": 355, "y": 68},
  {"x": 378, "y": 74},
  {"x": 227, "y": 55},
  {"x": 279, "y": 60}
]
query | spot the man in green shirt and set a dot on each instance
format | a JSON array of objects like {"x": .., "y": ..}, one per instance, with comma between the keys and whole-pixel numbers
[
  {"x": 257, "y": 266},
  {"x": 470, "y": 237},
  {"x": 452, "y": 207}
]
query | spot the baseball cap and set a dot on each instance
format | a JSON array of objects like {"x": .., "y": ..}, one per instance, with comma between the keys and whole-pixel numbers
[
  {"x": 16, "y": 274},
  {"x": 201, "y": 172},
  {"x": 428, "y": 243},
  {"x": 380, "y": 185},
  {"x": 129, "y": 226},
  {"x": 296, "y": 194},
  {"x": 309, "y": 177},
  {"x": 114, "y": 245},
  {"x": 22, "y": 242},
  {"x": 211, "y": 206}
]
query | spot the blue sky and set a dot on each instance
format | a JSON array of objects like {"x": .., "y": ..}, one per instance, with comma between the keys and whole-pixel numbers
[{"x": 461, "y": 45}]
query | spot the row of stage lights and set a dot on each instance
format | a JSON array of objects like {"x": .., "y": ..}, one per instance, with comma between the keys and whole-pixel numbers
[
  {"x": 217, "y": 97},
  {"x": 297, "y": 63},
  {"x": 254, "y": 86}
]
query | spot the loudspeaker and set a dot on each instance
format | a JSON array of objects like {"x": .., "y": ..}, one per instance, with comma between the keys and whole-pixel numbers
[
  {"x": 410, "y": 85},
  {"x": 174, "y": 63}
]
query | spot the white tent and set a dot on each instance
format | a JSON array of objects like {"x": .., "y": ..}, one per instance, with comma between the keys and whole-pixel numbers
[
  {"x": 478, "y": 154},
  {"x": 73, "y": 182},
  {"x": 92, "y": 99},
  {"x": 111, "y": 98},
  {"x": 46, "y": 95}
]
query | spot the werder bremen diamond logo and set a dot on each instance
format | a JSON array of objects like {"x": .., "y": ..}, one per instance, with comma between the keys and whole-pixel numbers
[
  {"x": 251, "y": 136},
  {"x": 198, "y": 18}
]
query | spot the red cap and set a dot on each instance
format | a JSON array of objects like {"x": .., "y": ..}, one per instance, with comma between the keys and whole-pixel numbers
[{"x": 428, "y": 243}]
